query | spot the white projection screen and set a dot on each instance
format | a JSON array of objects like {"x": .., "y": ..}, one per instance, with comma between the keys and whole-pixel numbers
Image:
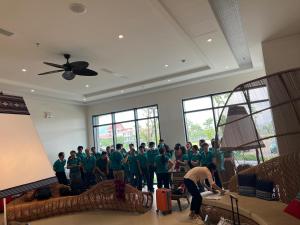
[{"x": 23, "y": 162}]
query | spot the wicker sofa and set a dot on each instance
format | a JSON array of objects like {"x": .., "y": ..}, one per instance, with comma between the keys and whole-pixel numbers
[
  {"x": 101, "y": 196},
  {"x": 284, "y": 172}
]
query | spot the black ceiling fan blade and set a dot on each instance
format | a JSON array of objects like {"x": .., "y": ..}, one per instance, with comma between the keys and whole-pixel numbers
[
  {"x": 85, "y": 72},
  {"x": 49, "y": 72},
  {"x": 54, "y": 65},
  {"x": 79, "y": 64}
]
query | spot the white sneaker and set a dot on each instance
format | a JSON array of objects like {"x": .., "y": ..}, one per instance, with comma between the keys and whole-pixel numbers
[{"x": 198, "y": 220}]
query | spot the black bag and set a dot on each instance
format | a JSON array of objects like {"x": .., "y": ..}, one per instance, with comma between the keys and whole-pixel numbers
[
  {"x": 65, "y": 191},
  {"x": 43, "y": 193}
]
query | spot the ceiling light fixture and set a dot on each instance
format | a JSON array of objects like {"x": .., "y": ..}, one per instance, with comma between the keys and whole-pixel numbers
[
  {"x": 77, "y": 8},
  {"x": 84, "y": 99},
  {"x": 87, "y": 85},
  {"x": 169, "y": 80},
  {"x": 121, "y": 36},
  {"x": 32, "y": 90},
  {"x": 166, "y": 65},
  {"x": 226, "y": 67},
  {"x": 209, "y": 40},
  {"x": 24, "y": 70},
  {"x": 122, "y": 91}
]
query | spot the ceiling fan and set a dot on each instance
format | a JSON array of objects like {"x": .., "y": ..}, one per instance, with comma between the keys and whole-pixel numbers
[{"x": 70, "y": 70}]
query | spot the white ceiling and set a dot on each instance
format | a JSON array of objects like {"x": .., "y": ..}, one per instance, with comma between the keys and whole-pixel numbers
[{"x": 156, "y": 32}]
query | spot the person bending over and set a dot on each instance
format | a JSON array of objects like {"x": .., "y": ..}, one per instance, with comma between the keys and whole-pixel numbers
[{"x": 191, "y": 178}]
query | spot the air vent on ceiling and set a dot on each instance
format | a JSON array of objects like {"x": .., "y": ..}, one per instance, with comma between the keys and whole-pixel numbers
[{"x": 6, "y": 32}]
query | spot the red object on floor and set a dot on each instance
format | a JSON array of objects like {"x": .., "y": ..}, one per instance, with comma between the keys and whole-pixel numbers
[
  {"x": 164, "y": 200},
  {"x": 8, "y": 199},
  {"x": 293, "y": 208}
]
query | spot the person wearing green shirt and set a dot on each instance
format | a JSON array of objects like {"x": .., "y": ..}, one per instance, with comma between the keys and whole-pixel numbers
[
  {"x": 89, "y": 165},
  {"x": 206, "y": 157},
  {"x": 201, "y": 142},
  {"x": 116, "y": 161},
  {"x": 189, "y": 152},
  {"x": 181, "y": 158},
  {"x": 151, "y": 155},
  {"x": 94, "y": 153},
  {"x": 102, "y": 166},
  {"x": 162, "y": 164},
  {"x": 73, "y": 164},
  {"x": 133, "y": 167},
  {"x": 80, "y": 155},
  {"x": 195, "y": 157},
  {"x": 143, "y": 167},
  {"x": 59, "y": 168},
  {"x": 218, "y": 160}
]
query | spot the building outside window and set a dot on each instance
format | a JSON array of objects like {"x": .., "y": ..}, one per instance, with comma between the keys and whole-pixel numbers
[
  {"x": 135, "y": 126},
  {"x": 201, "y": 116}
]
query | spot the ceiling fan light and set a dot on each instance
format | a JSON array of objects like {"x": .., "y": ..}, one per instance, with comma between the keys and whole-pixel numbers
[{"x": 68, "y": 75}]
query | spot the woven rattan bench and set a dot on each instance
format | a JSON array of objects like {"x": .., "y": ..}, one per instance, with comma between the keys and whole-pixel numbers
[{"x": 101, "y": 196}]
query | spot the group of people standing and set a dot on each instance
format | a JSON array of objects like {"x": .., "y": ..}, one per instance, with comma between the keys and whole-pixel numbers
[{"x": 136, "y": 166}]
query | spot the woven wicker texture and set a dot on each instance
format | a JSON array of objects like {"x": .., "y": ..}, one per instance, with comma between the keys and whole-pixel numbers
[
  {"x": 101, "y": 196},
  {"x": 283, "y": 171}
]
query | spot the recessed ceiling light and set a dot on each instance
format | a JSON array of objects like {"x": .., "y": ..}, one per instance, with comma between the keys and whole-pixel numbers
[
  {"x": 87, "y": 85},
  {"x": 226, "y": 67},
  {"x": 84, "y": 99},
  {"x": 121, "y": 36},
  {"x": 32, "y": 90},
  {"x": 24, "y": 70},
  {"x": 209, "y": 40},
  {"x": 77, "y": 8},
  {"x": 169, "y": 80},
  {"x": 166, "y": 65},
  {"x": 122, "y": 91}
]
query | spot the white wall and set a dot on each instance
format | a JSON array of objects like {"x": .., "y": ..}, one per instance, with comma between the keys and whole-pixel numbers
[
  {"x": 65, "y": 131},
  {"x": 169, "y": 104},
  {"x": 282, "y": 54}
]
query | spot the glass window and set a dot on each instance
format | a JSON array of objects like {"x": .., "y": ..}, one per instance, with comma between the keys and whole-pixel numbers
[
  {"x": 103, "y": 136},
  {"x": 200, "y": 125},
  {"x": 201, "y": 119},
  {"x": 196, "y": 104},
  {"x": 126, "y": 127},
  {"x": 103, "y": 119},
  {"x": 125, "y": 133},
  {"x": 148, "y": 112},
  {"x": 124, "y": 116}
]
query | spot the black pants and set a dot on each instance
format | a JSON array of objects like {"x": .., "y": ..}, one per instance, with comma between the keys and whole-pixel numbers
[
  {"x": 89, "y": 179},
  {"x": 217, "y": 179},
  {"x": 143, "y": 178},
  {"x": 151, "y": 178},
  {"x": 62, "y": 178},
  {"x": 197, "y": 198},
  {"x": 163, "y": 179}
]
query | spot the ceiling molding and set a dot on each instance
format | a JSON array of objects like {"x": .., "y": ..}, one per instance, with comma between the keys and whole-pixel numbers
[
  {"x": 228, "y": 15},
  {"x": 221, "y": 75}
]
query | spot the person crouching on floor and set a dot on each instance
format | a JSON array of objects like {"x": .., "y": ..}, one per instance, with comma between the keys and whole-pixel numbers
[
  {"x": 191, "y": 178},
  {"x": 59, "y": 168}
]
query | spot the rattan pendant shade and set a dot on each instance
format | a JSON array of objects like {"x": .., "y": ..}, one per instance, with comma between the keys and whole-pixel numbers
[{"x": 239, "y": 131}]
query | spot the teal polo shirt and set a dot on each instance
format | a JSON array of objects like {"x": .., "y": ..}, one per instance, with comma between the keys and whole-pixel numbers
[
  {"x": 206, "y": 159},
  {"x": 116, "y": 160},
  {"x": 73, "y": 162},
  {"x": 195, "y": 156},
  {"x": 151, "y": 155},
  {"x": 97, "y": 155},
  {"x": 59, "y": 166},
  {"x": 161, "y": 166},
  {"x": 190, "y": 153},
  {"x": 101, "y": 164},
  {"x": 80, "y": 156},
  {"x": 219, "y": 155},
  {"x": 142, "y": 158},
  {"x": 89, "y": 164},
  {"x": 132, "y": 160},
  {"x": 184, "y": 157}
]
